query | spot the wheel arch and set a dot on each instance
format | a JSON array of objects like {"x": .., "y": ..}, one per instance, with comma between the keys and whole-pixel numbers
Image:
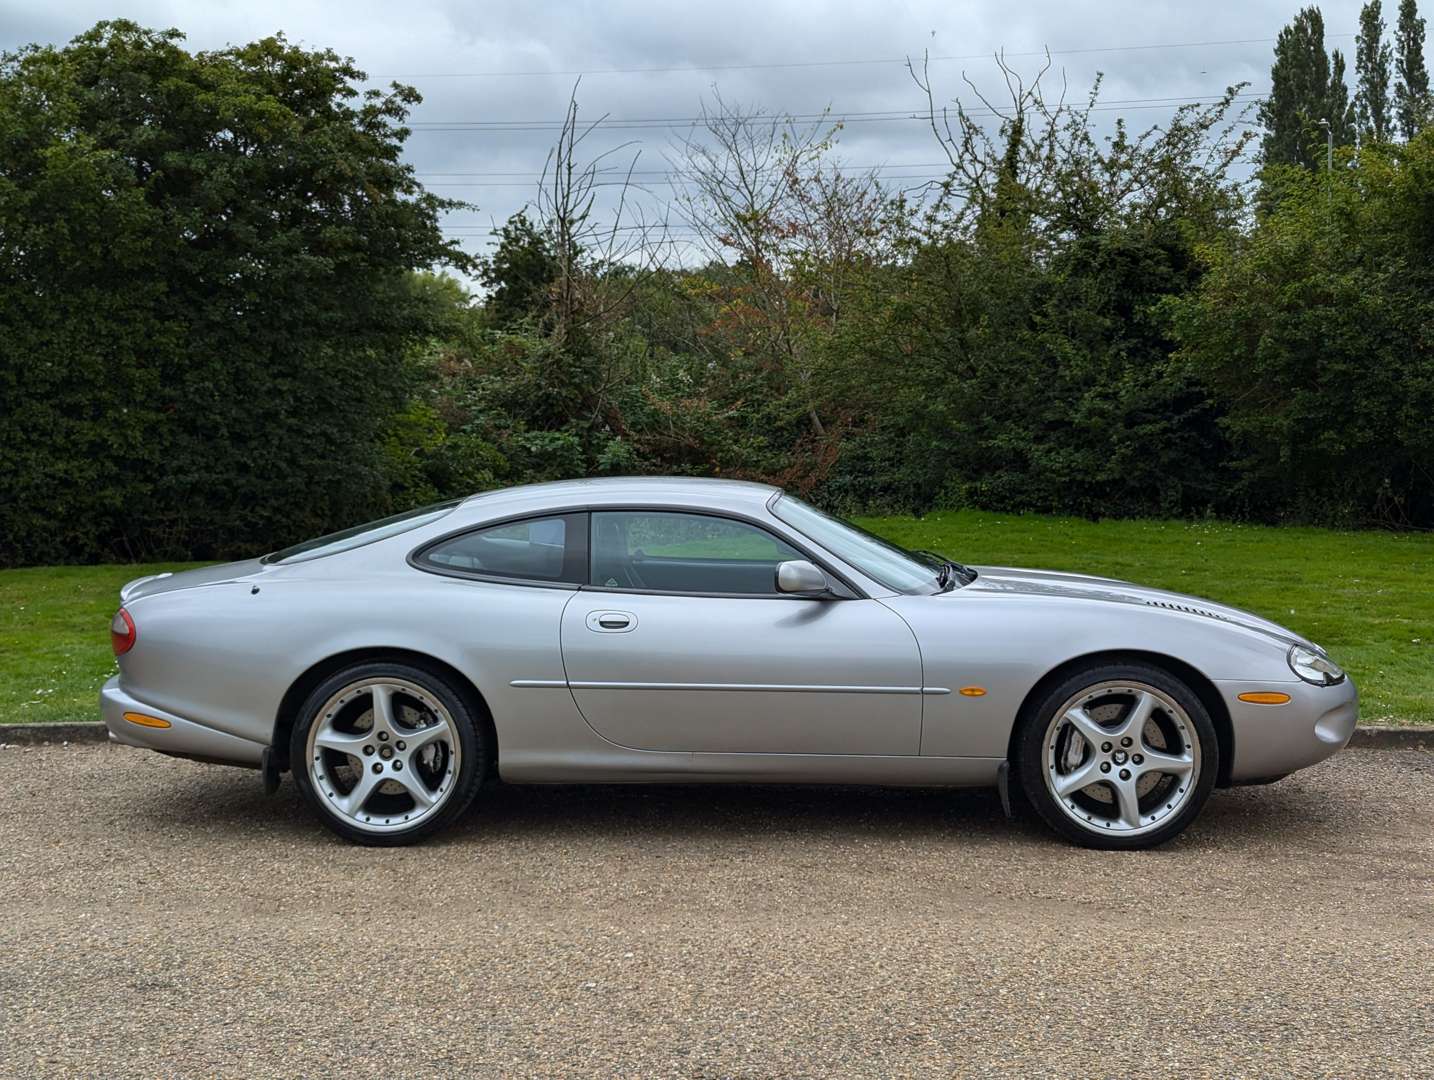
[
  {"x": 299, "y": 690},
  {"x": 1198, "y": 682}
]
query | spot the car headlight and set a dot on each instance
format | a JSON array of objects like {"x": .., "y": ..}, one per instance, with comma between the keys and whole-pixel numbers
[{"x": 1314, "y": 667}]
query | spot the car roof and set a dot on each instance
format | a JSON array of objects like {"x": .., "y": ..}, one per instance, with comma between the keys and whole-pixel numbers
[{"x": 695, "y": 491}]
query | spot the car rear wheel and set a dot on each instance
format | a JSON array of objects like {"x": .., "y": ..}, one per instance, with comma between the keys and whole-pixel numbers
[
  {"x": 1118, "y": 756},
  {"x": 388, "y": 752}
]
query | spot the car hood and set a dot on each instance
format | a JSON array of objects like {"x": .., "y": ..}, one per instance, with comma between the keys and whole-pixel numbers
[
  {"x": 1012, "y": 581},
  {"x": 189, "y": 579}
]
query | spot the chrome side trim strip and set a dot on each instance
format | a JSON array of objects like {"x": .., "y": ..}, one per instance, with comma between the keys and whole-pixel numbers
[
  {"x": 768, "y": 688},
  {"x": 775, "y": 688}
]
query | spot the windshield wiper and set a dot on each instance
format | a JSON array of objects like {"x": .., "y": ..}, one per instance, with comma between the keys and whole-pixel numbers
[{"x": 948, "y": 573}]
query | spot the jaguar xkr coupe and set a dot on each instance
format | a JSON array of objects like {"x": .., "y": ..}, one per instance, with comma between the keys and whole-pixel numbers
[{"x": 679, "y": 630}]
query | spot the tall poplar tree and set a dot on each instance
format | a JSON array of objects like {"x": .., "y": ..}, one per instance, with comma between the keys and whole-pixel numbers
[
  {"x": 1411, "y": 92},
  {"x": 1338, "y": 109},
  {"x": 1373, "y": 59},
  {"x": 1306, "y": 86}
]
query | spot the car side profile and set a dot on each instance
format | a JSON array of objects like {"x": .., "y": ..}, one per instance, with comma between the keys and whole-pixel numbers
[{"x": 664, "y": 630}]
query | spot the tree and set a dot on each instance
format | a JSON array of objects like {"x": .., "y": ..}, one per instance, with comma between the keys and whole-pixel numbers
[
  {"x": 519, "y": 274},
  {"x": 1021, "y": 359},
  {"x": 1339, "y": 110},
  {"x": 1373, "y": 58},
  {"x": 792, "y": 234},
  {"x": 1313, "y": 330},
  {"x": 1305, "y": 88},
  {"x": 1411, "y": 92},
  {"x": 205, "y": 294}
]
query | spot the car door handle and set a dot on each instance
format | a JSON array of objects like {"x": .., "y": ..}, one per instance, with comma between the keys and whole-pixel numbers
[{"x": 611, "y": 622}]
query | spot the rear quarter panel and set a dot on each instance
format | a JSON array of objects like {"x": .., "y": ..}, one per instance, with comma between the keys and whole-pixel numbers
[{"x": 225, "y": 655}]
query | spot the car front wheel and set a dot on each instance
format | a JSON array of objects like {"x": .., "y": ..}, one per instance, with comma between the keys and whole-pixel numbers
[{"x": 1118, "y": 756}]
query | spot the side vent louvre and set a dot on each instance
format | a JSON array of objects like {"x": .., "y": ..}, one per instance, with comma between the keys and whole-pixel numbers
[{"x": 1170, "y": 606}]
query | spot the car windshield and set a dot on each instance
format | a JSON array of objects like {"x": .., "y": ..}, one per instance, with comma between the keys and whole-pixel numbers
[
  {"x": 362, "y": 534},
  {"x": 893, "y": 566}
]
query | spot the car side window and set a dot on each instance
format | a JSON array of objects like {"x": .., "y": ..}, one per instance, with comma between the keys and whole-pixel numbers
[
  {"x": 670, "y": 551},
  {"x": 540, "y": 549}
]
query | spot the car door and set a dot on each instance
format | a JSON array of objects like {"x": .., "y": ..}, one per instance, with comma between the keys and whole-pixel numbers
[{"x": 681, "y": 642}]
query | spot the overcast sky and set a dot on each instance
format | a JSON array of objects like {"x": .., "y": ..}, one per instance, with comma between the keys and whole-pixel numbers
[{"x": 782, "y": 55}]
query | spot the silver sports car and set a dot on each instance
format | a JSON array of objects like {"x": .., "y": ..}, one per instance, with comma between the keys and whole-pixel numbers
[{"x": 678, "y": 630}]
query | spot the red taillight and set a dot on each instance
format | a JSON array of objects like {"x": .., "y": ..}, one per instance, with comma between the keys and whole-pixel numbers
[{"x": 122, "y": 632}]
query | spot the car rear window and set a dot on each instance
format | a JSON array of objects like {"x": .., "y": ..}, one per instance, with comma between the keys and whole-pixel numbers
[{"x": 540, "y": 549}]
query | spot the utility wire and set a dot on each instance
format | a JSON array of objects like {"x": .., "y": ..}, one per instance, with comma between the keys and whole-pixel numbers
[
  {"x": 668, "y": 172},
  {"x": 860, "y": 62},
  {"x": 638, "y": 185},
  {"x": 503, "y": 127},
  {"x": 781, "y": 117}
]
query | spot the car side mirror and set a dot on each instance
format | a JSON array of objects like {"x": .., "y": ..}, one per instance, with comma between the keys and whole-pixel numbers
[{"x": 801, "y": 578}]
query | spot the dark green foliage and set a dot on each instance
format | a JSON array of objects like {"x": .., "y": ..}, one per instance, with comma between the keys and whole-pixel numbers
[
  {"x": 519, "y": 275},
  {"x": 1044, "y": 387},
  {"x": 1315, "y": 331},
  {"x": 1411, "y": 91},
  {"x": 204, "y": 294},
  {"x": 219, "y": 330},
  {"x": 1373, "y": 59}
]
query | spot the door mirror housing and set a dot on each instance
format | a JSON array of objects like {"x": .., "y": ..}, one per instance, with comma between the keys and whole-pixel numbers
[{"x": 801, "y": 578}]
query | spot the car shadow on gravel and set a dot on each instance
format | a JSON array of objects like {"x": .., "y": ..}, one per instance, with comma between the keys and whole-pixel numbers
[
  {"x": 222, "y": 799},
  {"x": 735, "y": 810}
]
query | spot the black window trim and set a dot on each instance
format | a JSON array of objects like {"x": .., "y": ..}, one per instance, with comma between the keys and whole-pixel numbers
[
  {"x": 575, "y": 551},
  {"x": 843, "y": 587}
]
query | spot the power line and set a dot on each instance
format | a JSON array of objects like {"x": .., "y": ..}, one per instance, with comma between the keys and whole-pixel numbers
[
  {"x": 858, "y": 62},
  {"x": 668, "y": 172},
  {"x": 677, "y": 178},
  {"x": 639, "y": 184},
  {"x": 1171, "y": 101},
  {"x": 655, "y": 228},
  {"x": 479, "y": 127}
]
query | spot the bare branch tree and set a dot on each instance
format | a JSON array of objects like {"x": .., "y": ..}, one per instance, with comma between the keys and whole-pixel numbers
[
  {"x": 763, "y": 199},
  {"x": 589, "y": 251},
  {"x": 1050, "y": 164}
]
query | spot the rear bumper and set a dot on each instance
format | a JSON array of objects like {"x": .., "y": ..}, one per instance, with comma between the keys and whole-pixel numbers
[
  {"x": 184, "y": 738},
  {"x": 1275, "y": 740}
]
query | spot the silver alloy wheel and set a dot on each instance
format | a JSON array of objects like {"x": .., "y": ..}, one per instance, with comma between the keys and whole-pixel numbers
[
  {"x": 1121, "y": 757},
  {"x": 383, "y": 754}
]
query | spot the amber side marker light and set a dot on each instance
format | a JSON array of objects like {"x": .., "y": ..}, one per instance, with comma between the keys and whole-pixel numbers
[
  {"x": 145, "y": 721},
  {"x": 1265, "y": 697},
  {"x": 973, "y": 691}
]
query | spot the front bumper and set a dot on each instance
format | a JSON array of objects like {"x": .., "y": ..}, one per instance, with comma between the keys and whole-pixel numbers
[
  {"x": 183, "y": 738},
  {"x": 1275, "y": 740}
]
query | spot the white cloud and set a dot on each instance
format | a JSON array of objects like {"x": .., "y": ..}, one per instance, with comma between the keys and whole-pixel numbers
[{"x": 420, "y": 39}]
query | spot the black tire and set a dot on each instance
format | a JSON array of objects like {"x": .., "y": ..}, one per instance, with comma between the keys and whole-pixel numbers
[
  {"x": 474, "y": 759},
  {"x": 1031, "y": 765}
]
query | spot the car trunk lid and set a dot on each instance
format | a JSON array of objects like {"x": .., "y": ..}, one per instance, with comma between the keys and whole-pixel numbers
[{"x": 222, "y": 573}]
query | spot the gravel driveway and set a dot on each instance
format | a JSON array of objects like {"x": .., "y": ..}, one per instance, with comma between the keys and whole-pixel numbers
[{"x": 166, "y": 918}]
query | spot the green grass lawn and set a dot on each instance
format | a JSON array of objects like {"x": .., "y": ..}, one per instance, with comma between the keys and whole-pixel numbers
[
  {"x": 1368, "y": 597},
  {"x": 55, "y": 640}
]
